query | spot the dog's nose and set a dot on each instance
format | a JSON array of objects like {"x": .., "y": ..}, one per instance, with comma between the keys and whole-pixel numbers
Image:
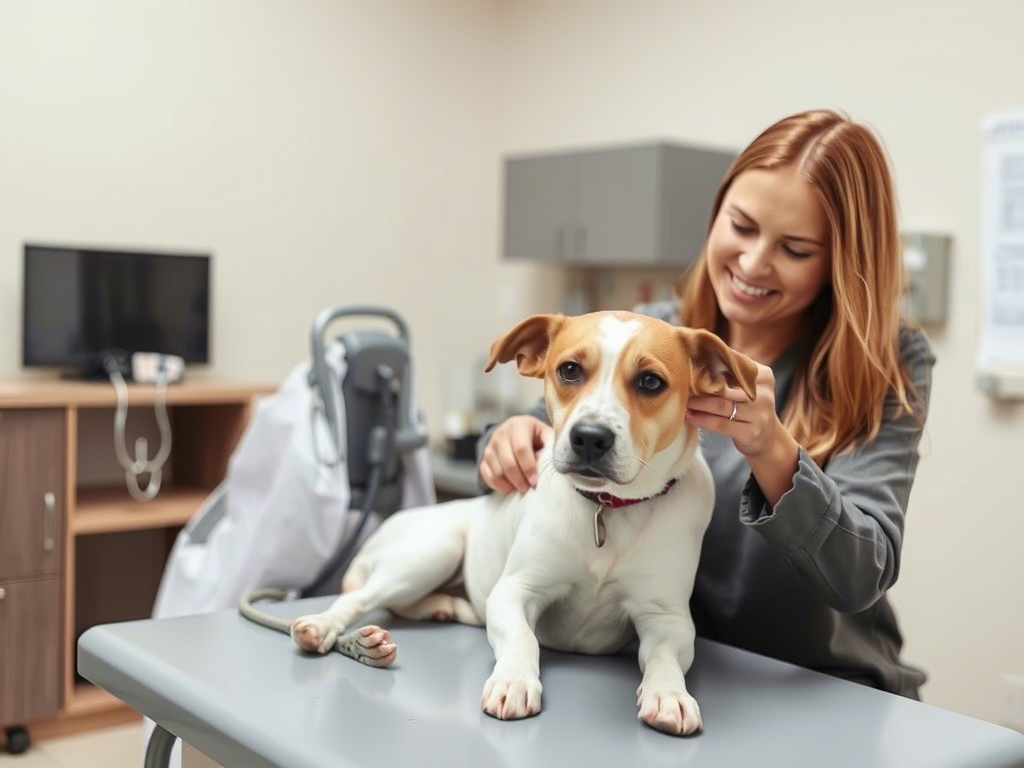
[{"x": 591, "y": 441}]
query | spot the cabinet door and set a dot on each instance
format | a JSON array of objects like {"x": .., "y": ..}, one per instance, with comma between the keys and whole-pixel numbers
[
  {"x": 32, "y": 465},
  {"x": 30, "y": 657},
  {"x": 539, "y": 208},
  {"x": 617, "y": 216}
]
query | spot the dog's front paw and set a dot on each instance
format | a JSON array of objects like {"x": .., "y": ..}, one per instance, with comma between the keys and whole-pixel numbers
[
  {"x": 316, "y": 633},
  {"x": 511, "y": 697},
  {"x": 669, "y": 709}
]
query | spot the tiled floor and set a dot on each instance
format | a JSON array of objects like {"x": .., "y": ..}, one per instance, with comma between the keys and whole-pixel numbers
[{"x": 119, "y": 747}]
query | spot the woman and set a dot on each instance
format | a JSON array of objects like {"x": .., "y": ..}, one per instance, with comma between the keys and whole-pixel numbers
[{"x": 801, "y": 271}]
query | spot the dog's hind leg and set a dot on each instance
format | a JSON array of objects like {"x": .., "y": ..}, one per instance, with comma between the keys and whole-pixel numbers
[
  {"x": 441, "y": 607},
  {"x": 406, "y": 560}
]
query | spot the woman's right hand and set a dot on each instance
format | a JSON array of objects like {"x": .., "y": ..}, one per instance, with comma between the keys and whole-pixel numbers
[{"x": 509, "y": 462}]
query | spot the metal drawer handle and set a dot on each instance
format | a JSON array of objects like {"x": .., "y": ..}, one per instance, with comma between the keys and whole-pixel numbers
[
  {"x": 49, "y": 523},
  {"x": 3, "y": 593}
]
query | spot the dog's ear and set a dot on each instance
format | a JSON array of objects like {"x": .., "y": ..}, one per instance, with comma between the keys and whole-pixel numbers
[
  {"x": 527, "y": 343},
  {"x": 716, "y": 365}
]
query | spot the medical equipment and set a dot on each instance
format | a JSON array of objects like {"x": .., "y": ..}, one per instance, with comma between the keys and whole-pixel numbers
[
  {"x": 148, "y": 368},
  {"x": 334, "y": 450},
  {"x": 379, "y": 432},
  {"x": 380, "y": 428}
]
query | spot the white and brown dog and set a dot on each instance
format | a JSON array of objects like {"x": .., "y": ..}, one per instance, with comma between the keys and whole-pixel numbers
[{"x": 607, "y": 542}]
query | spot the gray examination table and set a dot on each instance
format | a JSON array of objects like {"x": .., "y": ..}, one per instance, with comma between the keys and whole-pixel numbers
[{"x": 244, "y": 695}]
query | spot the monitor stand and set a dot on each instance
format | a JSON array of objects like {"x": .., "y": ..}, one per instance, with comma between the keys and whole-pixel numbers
[
  {"x": 99, "y": 370},
  {"x": 85, "y": 374}
]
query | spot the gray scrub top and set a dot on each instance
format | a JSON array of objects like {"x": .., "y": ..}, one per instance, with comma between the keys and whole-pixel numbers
[{"x": 805, "y": 581}]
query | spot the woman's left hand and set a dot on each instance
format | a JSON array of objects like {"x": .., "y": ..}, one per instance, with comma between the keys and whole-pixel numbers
[{"x": 752, "y": 424}]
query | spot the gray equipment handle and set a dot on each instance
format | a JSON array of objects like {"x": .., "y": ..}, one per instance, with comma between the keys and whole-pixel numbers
[{"x": 411, "y": 435}]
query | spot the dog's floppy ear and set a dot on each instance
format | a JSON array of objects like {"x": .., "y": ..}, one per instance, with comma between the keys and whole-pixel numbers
[
  {"x": 527, "y": 343},
  {"x": 716, "y": 365}
]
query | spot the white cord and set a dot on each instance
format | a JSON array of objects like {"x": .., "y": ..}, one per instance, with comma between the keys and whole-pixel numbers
[{"x": 141, "y": 464}]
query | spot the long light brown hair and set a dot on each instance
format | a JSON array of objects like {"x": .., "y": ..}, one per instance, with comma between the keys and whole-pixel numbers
[{"x": 852, "y": 363}]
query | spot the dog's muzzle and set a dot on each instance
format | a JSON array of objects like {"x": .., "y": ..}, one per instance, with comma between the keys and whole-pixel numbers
[{"x": 591, "y": 443}]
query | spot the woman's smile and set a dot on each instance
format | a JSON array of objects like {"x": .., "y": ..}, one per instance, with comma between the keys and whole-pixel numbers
[{"x": 748, "y": 291}]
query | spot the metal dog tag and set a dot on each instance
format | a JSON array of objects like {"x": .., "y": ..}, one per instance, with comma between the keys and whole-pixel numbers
[{"x": 599, "y": 531}]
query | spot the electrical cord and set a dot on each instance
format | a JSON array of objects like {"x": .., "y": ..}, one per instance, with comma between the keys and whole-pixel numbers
[
  {"x": 141, "y": 464},
  {"x": 246, "y": 608}
]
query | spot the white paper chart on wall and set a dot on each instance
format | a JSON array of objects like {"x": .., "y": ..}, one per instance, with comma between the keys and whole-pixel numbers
[{"x": 1002, "y": 244}]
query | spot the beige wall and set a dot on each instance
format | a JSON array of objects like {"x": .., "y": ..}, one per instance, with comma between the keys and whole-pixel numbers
[
  {"x": 349, "y": 151},
  {"x": 326, "y": 152}
]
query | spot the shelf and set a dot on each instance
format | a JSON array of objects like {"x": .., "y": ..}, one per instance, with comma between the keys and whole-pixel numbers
[
  {"x": 105, "y": 510},
  {"x": 46, "y": 392},
  {"x": 1002, "y": 383}
]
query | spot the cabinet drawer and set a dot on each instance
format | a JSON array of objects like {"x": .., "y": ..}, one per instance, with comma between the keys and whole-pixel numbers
[
  {"x": 32, "y": 467},
  {"x": 30, "y": 657}
]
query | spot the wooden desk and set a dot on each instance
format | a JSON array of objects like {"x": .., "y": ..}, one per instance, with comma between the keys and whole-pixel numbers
[{"x": 72, "y": 555}]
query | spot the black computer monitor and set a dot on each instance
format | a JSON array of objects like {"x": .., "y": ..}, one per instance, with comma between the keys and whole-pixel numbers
[{"x": 80, "y": 304}]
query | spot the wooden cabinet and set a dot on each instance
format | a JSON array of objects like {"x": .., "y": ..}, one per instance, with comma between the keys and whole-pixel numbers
[
  {"x": 31, "y": 493},
  {"x": 635, "y": 205},
  {"x": 32, "y": 522},
  {"x": 75, "y": 551},
  {"x": 30, "y": 653}
]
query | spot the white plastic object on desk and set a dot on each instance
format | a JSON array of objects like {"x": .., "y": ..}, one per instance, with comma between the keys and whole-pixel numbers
[{"x": 146, "y": 367}]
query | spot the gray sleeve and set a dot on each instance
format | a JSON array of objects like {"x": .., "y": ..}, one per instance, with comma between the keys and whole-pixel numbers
[{"x": 842, "y": 527}]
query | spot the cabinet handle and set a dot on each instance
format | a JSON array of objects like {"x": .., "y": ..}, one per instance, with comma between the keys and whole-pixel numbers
[
  {"x": 3, "y": 593},
  {"x": 49, "y": 522}
]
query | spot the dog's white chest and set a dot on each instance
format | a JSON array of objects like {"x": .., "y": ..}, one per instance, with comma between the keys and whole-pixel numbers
[{"x": 590, "y": 619}]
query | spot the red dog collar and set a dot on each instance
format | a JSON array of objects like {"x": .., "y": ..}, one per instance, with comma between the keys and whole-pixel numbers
[
  {"x": 615, "y": 502},
  {"x": 605, "y": 500}
]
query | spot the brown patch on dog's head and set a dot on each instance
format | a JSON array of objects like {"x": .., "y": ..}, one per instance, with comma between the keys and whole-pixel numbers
[
  {"x": 716, "y": 365},
  {"x": 542, "y": 343},
  {"x": 687, "y": 362},
  {"x": 528, "y": 344}
]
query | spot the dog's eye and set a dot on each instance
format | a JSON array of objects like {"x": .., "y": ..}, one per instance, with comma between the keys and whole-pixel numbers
[
  {"x": 650, "y": 383},
  {"x": 570, "y": 372}
]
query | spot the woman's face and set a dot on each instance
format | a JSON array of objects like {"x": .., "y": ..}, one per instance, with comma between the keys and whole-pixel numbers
[{"x": 768, "y": 253}]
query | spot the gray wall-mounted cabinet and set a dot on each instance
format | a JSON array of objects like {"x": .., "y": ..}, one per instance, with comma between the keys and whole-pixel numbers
[{"x": 646, "y": 204}]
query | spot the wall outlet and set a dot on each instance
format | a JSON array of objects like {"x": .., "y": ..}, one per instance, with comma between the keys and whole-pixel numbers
[{"x": 1013, "y": 700}]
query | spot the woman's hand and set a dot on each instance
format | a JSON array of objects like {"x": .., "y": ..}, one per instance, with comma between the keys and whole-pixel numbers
[
  {"x": 755, "y": 429},
  {"x": 753, "y": 426},
  {"x": 509, "y": 462}
]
